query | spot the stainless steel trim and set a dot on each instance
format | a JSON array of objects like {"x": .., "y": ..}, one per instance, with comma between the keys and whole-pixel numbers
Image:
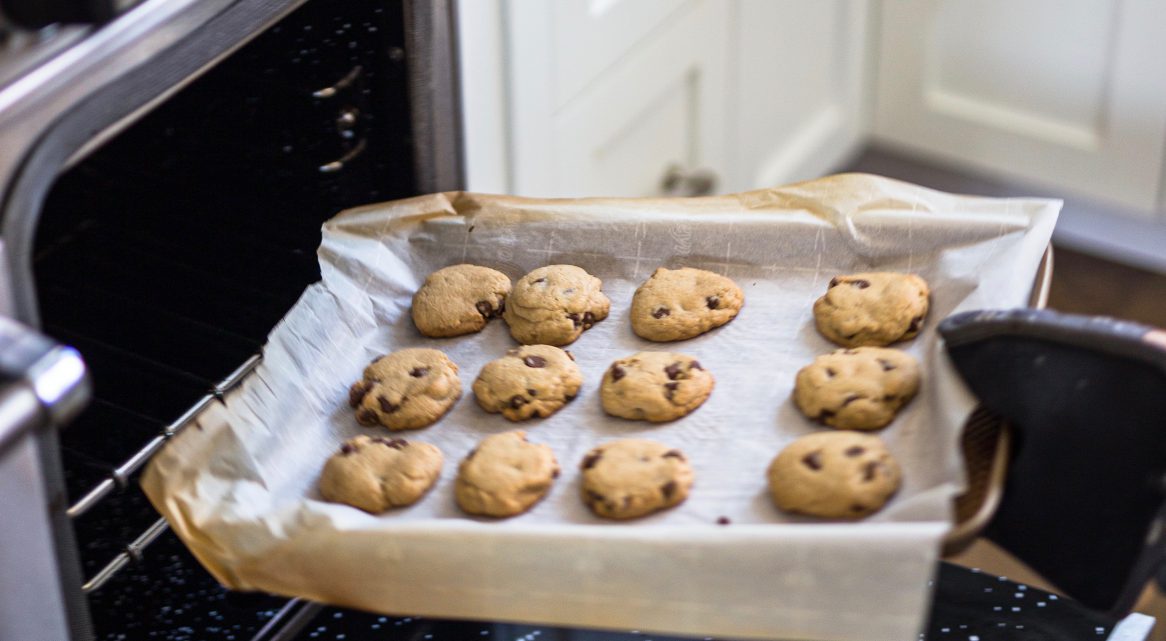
[
  {"x": 100, "y": 85},
  {"x": 431, "y": 44}
]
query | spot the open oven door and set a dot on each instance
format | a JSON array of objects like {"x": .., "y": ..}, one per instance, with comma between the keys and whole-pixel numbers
[{"x": 1084, "y": 501}]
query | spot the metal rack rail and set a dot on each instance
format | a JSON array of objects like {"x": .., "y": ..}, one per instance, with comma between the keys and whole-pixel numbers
[{"x": 120, "y": 476}]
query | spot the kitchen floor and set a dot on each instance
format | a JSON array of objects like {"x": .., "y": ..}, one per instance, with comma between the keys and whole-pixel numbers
[{"x": 1082, "y": 284}]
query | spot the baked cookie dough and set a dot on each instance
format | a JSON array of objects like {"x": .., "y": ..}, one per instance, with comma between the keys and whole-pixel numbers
[
  {"x": 505, "y": 475},
  {"x": 675, "y": 304},
  {"x": 633, "y": 477},
  {"x": 875, "y": 309},
  {"x": 529, "y": 381},
  {"x": 857, "y": 389},
  {"x": 655, "y": 386},
  {"x": 406, "y": 390},
  {"x": 376, "y": 473},
  {"x": 837, "y": 475},
  {"x": 459, "y": 299},
  {"x": 553, "y": 305}
]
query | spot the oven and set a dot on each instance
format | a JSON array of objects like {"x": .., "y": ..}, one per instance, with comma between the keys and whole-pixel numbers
[{"x": 165, "y": 167}]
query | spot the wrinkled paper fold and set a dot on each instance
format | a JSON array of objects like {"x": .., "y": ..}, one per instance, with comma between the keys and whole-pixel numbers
[{"x": 239, "y": 486}]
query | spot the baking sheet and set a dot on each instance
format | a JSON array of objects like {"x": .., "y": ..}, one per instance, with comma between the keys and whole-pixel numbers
[{"x": 239, "y": 489}]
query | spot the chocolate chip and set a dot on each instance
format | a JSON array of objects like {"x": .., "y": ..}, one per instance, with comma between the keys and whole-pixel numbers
[
  {"x": 485, "y": 309},
  {"x": 890, "y": 398},
  {"x": 915, "y": 323},
  {"x": 673, "y": 371},
  {"x": 569, "y": 397},
  {"x": 531, "y": 392},
  {"x": 594, "y": 497},
  {"x": 850, "y": 399},
  {"x": 723, "y": 520},
  {"x": 834, "y": 282},
  {"x": 860, "y": 283},
  {"x": 537, "y": 414},
  {"x": 470, "y": 230},
  {"x": 674, "y": 454},
  {"x": 591, "y": 459},
  {"x": 855, "y": 450},
  {"x": 887, "y": 366},
  {"x": 555, "y": 474},
  {"x": 617, "y": 372},
  {"x": 366, "y": 417},
  {"x": 357, "y": 392},
  {"x": 418, "y": 372},
  {"x": 588, "y": 320},
  {"x": 868, "y": 470},
  {"x": 539, "y": 280},
  {"x": 517, "y": 401},
  {"x": 850, "y": 338},
  {"x": 395, "y": 443},
  {"x": 671, "y": 387},
  {"x": 830, "y": 372},
  {"x": 713, "y": 302},
  {"x": 858, "y": 508},
  {"x": 661, "y": 312},
  {"x": 347, "y": 449},
  {"x": 386, "y": 406},
  {"x": 813, "y": 460},
  {"x": 695, "y": 365},
  {"x": 824, "y": 416},
  {"x": 668, "y": 489},
  {"x": 534, "y": 361},
  {"x": 575, "y": 319}
]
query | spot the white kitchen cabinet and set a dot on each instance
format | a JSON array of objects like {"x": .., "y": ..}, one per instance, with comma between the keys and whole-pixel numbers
[
  {"x": 604, "y": 97},
  {"x": 1070, "y": 95}
]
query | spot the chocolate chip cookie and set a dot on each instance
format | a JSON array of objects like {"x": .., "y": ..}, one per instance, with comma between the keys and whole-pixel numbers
[
  {"x": 876, "y": 309},
  {"x": 655, "y": 386},
  {"x": 634, "y": 477},
  {"x": 378, "y": 473},
  {"x": 529, "y": 381},
  {"x": 459, "y": 299},
  {"x": 505, "y": 475},
  {"x": 838, "y": 475},
  {"x": 857, "y": 389},
  {"x": 675, "y": 304},
  {"x": 553, "y": 305},
  {"x": 406, "y": 390}
]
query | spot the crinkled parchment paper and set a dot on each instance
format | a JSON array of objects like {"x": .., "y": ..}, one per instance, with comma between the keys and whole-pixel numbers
[{"x": 239, "y": 486}]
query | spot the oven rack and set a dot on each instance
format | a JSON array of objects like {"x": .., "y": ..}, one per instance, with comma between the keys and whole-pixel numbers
[
  {"x": 119, "y": 477},
  {"x": 290, "y": 618}
]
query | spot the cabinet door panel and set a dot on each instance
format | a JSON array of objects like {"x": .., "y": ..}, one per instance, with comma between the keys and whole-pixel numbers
[
  {"x": 660, "y": 105},
  {"x": 1068, "y": 94}
]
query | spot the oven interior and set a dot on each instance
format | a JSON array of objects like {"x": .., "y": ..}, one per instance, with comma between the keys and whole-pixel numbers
[{"x": 166, "y": 256}]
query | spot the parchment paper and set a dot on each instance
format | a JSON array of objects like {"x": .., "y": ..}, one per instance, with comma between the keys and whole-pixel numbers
[{"x": 239, "y": 487}]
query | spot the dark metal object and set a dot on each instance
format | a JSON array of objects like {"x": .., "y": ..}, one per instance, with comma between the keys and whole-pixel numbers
[
  {"x": 1083, "y": 504},
  {"x": 34, "y": 14}
]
